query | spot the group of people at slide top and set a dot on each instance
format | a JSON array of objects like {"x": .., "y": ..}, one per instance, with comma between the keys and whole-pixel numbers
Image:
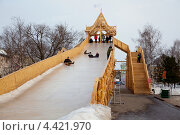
[{"x": 105, "y": 39}]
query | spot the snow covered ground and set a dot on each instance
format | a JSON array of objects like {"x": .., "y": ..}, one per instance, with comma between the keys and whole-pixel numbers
[
  {"x": 158, "y": 88},
  {"x": 91, "y": 112}
]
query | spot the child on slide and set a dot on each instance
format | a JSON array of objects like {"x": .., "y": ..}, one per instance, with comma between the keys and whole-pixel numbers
[{"x": 68, "y": 62}]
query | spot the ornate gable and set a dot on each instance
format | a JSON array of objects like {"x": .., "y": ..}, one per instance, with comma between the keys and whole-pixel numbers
[{"x": 101, "y": 25}]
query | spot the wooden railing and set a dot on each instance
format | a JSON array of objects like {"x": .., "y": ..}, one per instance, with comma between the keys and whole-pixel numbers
[
  {"x": 132, "y": 71},
  {"x": 18, "y": 78},
  {"x": 124, "y": 47},
  {"x": 121, "y": 45},
  {"x": 103, "y": 86},
  {"x": 145, "y": 66}
]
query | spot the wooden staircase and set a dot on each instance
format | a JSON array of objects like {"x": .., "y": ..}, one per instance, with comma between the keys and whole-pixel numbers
[
  {"x": 137, "y": 73},
  {"x": 141, "y": 85}
]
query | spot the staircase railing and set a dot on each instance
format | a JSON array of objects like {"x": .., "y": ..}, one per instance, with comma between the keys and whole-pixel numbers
[
  {"x": 18, "y": 78},
  {"x": 124, "y": 47},
  {"x": 145, "y": 66},
  {"x": 132, "y": 71},
  {"x": 121, "y": 45},
  {"x": 103, "y": 86}
]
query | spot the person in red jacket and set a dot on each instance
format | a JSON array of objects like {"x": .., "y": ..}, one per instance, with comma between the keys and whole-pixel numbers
[{"x": 95, "y": 37}]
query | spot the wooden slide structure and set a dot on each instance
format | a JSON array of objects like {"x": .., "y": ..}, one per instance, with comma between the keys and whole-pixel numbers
[{"x": 136, "y": 73}]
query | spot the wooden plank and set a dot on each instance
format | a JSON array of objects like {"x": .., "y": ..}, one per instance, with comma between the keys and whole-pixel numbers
[
  {"x": 94, "y": 93},
  {"x": 120, "y": 70},
  {"x": 120, "y": 61}
]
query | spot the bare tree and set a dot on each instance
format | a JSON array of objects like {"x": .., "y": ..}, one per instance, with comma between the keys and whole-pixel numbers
[
  {"x": 12, "y": 41},
  {"x": 43, "y": 42},
  {"x": 175, "y": 50},
  {"x": 28, "y": 44},
  {"x": 81, "y": 37},
  {"x": 149, "y": 39},
  {"x": 61, "y": 37},
  {"x": 35, "y": 42}
]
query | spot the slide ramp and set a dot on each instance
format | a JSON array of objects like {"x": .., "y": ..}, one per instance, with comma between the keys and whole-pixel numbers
[{"x": 58, "y": 93}]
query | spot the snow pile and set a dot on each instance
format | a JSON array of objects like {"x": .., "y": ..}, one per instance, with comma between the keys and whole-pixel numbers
[
  {"x": 3, "y": 52},
  {"x": 91, "y": 112},
  {"x": 15, "y": 93},
  {"x": 175, "y": 91}
]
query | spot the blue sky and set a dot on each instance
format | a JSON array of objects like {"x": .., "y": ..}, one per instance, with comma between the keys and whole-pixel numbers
[{"x": 127, "y": 15}]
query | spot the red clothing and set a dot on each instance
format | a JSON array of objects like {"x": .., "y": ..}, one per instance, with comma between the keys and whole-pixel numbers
[{"x": 95, "y": 37}]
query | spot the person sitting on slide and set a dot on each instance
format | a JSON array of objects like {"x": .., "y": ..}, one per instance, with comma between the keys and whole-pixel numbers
[
  {"x": 90, "y": 55},
  {"x": 97, "y": 55},
  {"x": 86, "y": 52},
  {"x": 67, "y": 61}
]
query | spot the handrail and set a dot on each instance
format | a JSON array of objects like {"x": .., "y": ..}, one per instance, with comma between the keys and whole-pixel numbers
[
  {"x": 103, "y": 85},
  {"x": 124, "y": 47},
  {"x": 119, "y": 44},
  {"x": 94, "y": 93},
  {"x": 132, "y": 71},
  {"x": 107, "y": 63},
  {"x": 145, "y": 66}
]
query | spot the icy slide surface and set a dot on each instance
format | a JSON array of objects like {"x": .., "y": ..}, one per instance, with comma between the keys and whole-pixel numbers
[{"x": 60, "y": 92}]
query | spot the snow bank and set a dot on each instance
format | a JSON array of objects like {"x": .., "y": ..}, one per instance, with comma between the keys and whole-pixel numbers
[
  {"x": 91, "y": 112},
  {"x": 15, "y": 93},
  {"x": 175, "y": 91}
]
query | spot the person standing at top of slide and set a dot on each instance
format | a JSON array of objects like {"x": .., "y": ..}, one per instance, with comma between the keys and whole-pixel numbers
[
  {"x": 95, "y": 37},
  {"x": 109, "y": 51},
  {"x": 139, "y": 58}
]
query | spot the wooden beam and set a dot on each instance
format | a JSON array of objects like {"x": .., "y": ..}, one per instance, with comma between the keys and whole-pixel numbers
[
  {"x": 120, "y": 61},
  {"x": 120, "y": 70}
]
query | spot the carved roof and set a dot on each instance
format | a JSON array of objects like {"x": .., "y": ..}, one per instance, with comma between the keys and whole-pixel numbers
[{"x": 101, "y": 24}]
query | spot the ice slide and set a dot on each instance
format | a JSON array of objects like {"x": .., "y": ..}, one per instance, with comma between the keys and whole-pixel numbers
[{"x": 60, "y": 92}]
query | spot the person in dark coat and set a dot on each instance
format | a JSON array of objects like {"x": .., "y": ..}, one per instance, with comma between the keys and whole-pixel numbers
[
  {"x": 97, "y": 55},
  {"x": 86, "y": 52},
  {"x": 109, "y": 51},
  {"x": 90, "y": 55},
  {"x": 107, "y": 39},
  {"x": 103, "y": 38},
  {"x": 139, "y": 58},
  {"x": 67, "y": 61},
  {"x": 110, "y": 37},
  {"x": 90, "y": 40}
]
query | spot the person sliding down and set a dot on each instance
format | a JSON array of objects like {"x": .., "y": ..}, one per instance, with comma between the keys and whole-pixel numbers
[
  {"x": 68, "y": 62},
  {"x": 90, "y": 55},
  {"x": 97, "y": 55},
  {"x": 86, "y": 52}
]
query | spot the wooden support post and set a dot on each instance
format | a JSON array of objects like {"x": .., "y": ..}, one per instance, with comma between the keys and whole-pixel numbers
[{"x": 100, "y": 35}]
